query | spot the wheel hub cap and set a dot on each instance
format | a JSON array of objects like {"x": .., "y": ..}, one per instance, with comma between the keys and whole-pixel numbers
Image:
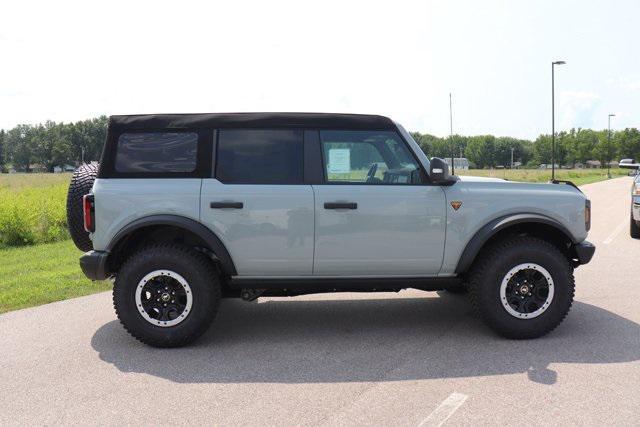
[
  {"x": 526, "y": 291},
  {"x": 163, "y": 298}
]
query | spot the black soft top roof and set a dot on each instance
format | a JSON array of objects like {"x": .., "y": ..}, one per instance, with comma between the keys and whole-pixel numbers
[{"x": 251, "y": 120}]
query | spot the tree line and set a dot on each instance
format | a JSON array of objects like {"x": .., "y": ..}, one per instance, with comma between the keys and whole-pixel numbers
[
  {"x": 572, "y": 147},
  {"x": 50, "y": 144}
]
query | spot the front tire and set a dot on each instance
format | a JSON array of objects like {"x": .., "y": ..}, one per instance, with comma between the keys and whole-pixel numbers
[
  {"x": 522, "y": 287},
  {"x": 166, "y": 295}
]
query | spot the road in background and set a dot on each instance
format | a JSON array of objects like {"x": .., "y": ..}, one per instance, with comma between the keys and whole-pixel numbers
[{"x": 411, "y": 358}]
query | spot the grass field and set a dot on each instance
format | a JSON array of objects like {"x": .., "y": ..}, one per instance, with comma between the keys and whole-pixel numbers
[
  {"x": 41, "y": 274},
  {"x": 39, "y": 264},
  {"x": 32, "y": 208},
  {"x": 578, "y": 176}
]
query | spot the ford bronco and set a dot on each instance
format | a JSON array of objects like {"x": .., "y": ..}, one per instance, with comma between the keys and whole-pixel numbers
[{"x": 186, "y": 209}]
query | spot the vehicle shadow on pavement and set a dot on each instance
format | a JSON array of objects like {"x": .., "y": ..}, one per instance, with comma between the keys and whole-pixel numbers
[{"x": 395, "y": 339}]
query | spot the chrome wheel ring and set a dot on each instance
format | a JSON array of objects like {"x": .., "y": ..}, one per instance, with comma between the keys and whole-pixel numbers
[
  {"x": 163, "y": 298},
  {"x": 526, "y": 291}
]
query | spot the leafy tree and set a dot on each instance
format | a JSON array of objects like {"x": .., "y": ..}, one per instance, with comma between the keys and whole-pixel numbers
[
  {"x": 627, "y": 143},
  {"x": 20, "y": 143},
  {"x": 481, "y": 151},
  {"x": 504, "y": 145},
  {"x": 604, "y": 149},
  {"x": 52, "y": 144}
]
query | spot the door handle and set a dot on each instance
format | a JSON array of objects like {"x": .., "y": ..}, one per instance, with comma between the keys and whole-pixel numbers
[
  {"x": 341, "y": 205},
  {"x": 226, "y": 205}
]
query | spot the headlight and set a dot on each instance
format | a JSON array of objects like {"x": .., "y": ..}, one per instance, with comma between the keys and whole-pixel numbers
[
  {"x": 636, "y": 189},
  {"x": 587, "y": 214}
]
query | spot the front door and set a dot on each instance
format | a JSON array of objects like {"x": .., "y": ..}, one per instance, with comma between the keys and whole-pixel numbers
[
  {"x": 374, "y": 216},
  {"x": 257, "y": 203}
]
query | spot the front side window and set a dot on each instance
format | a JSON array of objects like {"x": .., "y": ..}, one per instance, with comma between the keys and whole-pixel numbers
[
  {"x": 157, "y": 152},
  {"x": 257, "y": 156},
  {"x": 366, "y": 157}
]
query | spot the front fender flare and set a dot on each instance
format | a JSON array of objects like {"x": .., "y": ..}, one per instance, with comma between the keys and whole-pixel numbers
[{"x": 490, "y": 229}]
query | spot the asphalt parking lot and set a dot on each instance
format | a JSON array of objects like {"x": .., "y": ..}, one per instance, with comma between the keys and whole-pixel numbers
[{"x": 411, "y": 358}]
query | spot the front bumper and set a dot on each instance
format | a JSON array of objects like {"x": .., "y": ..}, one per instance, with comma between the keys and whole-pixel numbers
[
  {"x": 93, "y": 264},
  {"x": 635, "y": 207},
  {"x": 584, "y": 251}
]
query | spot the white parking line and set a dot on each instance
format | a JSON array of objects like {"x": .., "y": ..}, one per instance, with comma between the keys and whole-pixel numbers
[
  {"x": 444, "y": 411},
  {"x": 615, "y": 232}
]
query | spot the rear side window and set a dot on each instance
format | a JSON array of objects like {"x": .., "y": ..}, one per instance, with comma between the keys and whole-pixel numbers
[
  {"x": 260, "y": 156},
  {"x": 157, "y": 152}
]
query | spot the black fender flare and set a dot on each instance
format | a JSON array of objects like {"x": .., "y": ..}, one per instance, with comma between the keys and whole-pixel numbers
[
  {"x": 491, "y": 228},
  {"x": 216, "y": 245}
]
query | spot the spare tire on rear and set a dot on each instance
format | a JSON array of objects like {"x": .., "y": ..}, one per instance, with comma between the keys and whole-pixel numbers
[{"x": 81, "y": 184}]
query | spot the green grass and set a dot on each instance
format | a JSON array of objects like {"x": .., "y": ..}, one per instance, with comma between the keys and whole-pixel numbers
[
  {"x": 577, "y": 176},
  {"x": 42, "y": 274},
  {"x": 18, "y": 181},
  {"x": 33, "y": 208}
]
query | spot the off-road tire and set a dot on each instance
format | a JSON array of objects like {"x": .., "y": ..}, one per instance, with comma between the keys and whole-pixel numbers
[
  {"x": 81, "y": 184},
  {"x": 197, "y": 269},
  {"x": 489, "y": 270},
  {"x": 634, "y": 228}
]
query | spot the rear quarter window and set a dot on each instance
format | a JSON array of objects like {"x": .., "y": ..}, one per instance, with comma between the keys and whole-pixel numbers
[{"x": 157, "y": 152}]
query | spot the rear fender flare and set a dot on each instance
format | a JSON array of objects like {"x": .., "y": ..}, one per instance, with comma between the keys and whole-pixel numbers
[{"x": 214, "y": 243}]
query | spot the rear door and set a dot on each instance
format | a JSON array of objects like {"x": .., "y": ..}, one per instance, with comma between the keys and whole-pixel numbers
[
  {"x": 257, "y": 202},
  {"x": 374, "y": 214}
]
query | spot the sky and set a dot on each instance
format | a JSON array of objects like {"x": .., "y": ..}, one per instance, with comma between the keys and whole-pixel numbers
[{"x": 68, "y": 60}]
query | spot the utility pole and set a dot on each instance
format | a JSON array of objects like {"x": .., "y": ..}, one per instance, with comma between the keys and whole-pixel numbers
[
  {"x": 511, "y": 157},
  {"x": 451, "y": 135},
  {"x": 553, "y": 119},
  {"x": 609, "y": 148}
]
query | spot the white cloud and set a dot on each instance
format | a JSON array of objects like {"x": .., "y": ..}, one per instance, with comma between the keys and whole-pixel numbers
[{"x": 577, "y": 109}]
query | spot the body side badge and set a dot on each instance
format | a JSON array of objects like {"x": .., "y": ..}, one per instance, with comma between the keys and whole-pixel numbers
[{"x": 455, "y": 204}]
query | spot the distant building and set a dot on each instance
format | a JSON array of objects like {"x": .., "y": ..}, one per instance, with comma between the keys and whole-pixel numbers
[
  {"x": 63, "y": 168},
  {"x": 593, "y": 164},
  {"x": 460, "y": 163}
]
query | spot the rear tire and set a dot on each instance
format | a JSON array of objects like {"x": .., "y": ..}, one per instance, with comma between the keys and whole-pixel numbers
[
  {"x": 81, "y": 184},
  {"x": 178, "y": 270},
  {"x": 522, "y": 287},
  {"x": 634, "y": 228}
]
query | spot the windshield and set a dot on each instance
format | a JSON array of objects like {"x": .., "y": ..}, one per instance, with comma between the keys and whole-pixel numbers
[{"x": 414, "y": 146}]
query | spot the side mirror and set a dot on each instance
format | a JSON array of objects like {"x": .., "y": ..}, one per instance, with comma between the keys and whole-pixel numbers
[
  {"x": 439, "y": 172},
  {"x": 629, "y": 164}
]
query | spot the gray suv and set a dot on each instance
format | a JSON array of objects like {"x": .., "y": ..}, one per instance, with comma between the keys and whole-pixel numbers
[{"x": 184, "y": 210}]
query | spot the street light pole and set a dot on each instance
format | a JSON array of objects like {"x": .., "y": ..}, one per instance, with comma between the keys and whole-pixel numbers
[
  {"x": 451, "y": 135},
  {"x": 553, "y": 119},
  {"x": 609, "y": 147}
]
